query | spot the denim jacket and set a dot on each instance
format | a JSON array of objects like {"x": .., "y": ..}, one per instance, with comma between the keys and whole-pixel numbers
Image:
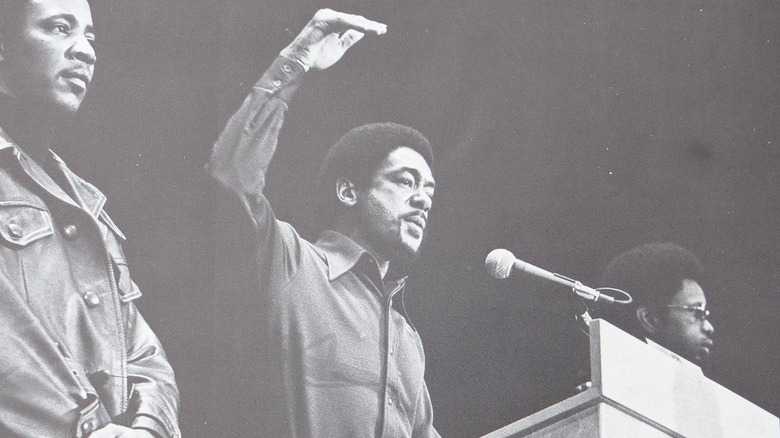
[{"x": 75, "y": 353}]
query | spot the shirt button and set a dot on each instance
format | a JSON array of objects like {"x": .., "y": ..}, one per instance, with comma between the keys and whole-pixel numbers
[
  {"x": 91, "y": 299},
  {"x": 391, "y": 351},
  {"x": 276, "y": 83},
  {"x": 286, "y": 68},
  {"x": 15, "y": 231},
  {"x": 71, "y": 232},
  {"x": 389, "y": 401}
]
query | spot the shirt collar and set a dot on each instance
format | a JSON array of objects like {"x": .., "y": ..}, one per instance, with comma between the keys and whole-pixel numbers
[{"x": 341, "y": 252}]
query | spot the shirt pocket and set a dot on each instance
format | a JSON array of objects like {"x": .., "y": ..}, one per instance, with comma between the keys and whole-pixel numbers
[{"x": 22, "y": 223}]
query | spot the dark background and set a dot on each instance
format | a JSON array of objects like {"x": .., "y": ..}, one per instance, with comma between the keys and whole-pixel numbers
[{"x": 565, "y": 131}]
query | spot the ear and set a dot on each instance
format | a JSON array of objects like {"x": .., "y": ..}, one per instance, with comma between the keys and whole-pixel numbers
[
  {"x": 648, "y": 320},
  {"x": 346, "y": 192}
]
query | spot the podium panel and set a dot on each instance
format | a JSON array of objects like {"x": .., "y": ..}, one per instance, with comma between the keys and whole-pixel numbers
[
  {"x": 599, "y": 421},
  {"x": 644, "y": 391}
]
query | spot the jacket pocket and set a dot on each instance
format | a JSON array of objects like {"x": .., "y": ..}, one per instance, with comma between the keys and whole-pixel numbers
[
  {"x": 128, "y": 291},
  {"x": 22, "y": 223}
]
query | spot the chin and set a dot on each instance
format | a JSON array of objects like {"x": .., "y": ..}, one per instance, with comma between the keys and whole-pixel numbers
[
  {"x": 57, "y": 105},
  {"x": 413, "y": 246},
  {"x": 66, "y": 100},
  {"x": 69, "y": 106}
]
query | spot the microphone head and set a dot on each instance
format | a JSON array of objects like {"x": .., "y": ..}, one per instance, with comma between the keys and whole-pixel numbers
[{"x": 499, "y": 263}]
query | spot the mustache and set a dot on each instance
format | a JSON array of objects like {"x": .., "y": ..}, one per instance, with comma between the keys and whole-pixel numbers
[{"x": 415, "y": 214}]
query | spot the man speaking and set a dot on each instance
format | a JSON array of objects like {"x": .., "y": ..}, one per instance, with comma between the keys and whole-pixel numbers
[{"x": 334, "y": 352}]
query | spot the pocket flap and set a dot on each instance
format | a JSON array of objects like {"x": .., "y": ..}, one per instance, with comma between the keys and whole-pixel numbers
[
  {"x": 128, "y": 291},
  {"x": 22, "y": 223}
]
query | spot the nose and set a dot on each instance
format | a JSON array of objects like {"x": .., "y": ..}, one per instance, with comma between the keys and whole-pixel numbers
[
  {"x": 707, "y": 327},
  {"x": 83, "y": 50},
  {"x": 422, "y": 201}
]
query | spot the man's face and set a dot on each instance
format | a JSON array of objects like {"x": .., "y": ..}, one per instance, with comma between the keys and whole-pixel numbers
[
  {"x": 683, "y": 331},
  {"x": 394, "y": 208},
  {"x": 48, "y": 57}
]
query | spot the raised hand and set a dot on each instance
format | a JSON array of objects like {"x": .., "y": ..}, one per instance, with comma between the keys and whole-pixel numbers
[{"x": 327, "y": 36}]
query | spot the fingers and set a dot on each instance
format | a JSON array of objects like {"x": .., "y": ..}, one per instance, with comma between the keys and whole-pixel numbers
[
  {"x": 334, "y": 21},
  {"x": 350, "y": 37},
  {"x": 327, "y": 36}
]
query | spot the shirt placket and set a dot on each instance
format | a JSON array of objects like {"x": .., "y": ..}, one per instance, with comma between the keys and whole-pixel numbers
[{"x": 391, "y": 427}]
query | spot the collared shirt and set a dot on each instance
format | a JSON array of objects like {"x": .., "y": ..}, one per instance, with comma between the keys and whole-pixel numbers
[{"x": 337, "y": 356}]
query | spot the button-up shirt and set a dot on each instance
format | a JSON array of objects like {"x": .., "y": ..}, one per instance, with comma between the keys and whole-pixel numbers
[{"x": 337, "y": 355}]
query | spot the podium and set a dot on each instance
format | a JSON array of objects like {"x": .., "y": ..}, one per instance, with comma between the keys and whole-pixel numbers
[{"x": 639, "y": 390}]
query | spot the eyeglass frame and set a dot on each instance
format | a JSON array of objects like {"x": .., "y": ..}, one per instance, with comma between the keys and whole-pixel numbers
[{"x": 700, "y": 312}]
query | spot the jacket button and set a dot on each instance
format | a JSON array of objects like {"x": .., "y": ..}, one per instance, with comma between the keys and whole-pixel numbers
[
  {"x": 15, "y": 231},
  {"x": 71, "y": 232},
  {"x": 91, "y": 299},
  {"x": 87, "y": 426}
]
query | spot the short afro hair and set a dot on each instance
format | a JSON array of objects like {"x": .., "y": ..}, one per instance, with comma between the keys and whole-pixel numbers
[
  {"x": 652, "y": 273},
  {"x": 357, "y": 155}
]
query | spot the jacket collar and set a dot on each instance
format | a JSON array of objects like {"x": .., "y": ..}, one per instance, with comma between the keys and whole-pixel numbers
[{"x": 91, "y": 199}]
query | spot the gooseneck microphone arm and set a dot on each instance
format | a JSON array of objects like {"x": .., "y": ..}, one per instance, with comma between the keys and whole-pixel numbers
[{"x": 501, "y": 264}]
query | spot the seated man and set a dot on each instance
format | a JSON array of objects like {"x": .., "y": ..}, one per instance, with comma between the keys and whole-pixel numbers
[
  {"x": 328, "y": 338},
  {"x": 669, "y": 304},
  {"x": 77, "y": 357}
]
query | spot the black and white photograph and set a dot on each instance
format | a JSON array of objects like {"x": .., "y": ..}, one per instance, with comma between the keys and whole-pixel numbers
[{"x": 525, "y": 218}]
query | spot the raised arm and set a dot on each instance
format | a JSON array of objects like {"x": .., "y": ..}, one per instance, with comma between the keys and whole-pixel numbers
[{"x": 244, "y": 150}]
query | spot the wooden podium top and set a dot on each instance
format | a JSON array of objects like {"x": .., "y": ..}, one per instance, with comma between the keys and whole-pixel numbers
[{"x": 651, "y": 388}]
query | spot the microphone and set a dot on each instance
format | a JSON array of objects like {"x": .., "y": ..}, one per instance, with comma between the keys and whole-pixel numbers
[{"x": 501, "y": 264}]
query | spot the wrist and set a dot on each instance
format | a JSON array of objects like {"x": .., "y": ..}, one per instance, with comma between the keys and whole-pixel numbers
[{"x": 298, "y": 55}]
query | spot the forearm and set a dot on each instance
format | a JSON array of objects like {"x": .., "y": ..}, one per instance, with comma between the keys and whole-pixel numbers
[
  {"x": 244, "y": 149},
  {"x": 243, "y": 152}
]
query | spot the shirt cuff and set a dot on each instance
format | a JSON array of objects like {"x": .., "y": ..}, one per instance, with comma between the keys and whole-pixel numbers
[{"x": 282, "y": 78}]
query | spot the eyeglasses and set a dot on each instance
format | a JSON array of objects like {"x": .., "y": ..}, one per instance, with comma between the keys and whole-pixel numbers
[{"x": 699, "y": 312}]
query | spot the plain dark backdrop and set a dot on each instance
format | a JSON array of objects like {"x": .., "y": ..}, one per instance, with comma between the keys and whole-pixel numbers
[{"x": 565, "y": 131}]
